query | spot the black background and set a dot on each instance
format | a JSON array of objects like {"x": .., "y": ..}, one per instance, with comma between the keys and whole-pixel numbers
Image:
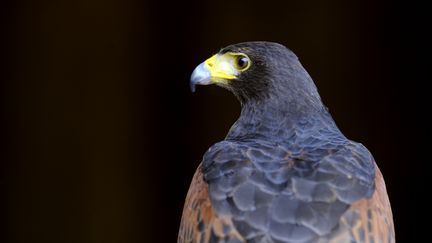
[{"x": 102, "y": 135}]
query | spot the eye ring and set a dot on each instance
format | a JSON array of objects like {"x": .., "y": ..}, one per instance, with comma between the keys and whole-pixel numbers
[{"x": 242, "y": 62}]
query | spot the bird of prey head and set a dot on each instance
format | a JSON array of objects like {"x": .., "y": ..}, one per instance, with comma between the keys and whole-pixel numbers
[{"x": 255, "y": 71}]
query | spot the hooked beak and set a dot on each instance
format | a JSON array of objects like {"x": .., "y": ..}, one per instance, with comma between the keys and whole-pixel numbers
[{"x": 218, "y": 69}]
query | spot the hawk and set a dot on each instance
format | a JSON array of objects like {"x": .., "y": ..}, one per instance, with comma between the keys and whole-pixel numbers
[{"x": 284, "y": 172}]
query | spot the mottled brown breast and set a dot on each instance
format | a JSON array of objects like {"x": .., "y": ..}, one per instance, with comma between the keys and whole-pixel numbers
[
  {"x": 368, "y": 220},
  {"x": 199, "y": 222}
]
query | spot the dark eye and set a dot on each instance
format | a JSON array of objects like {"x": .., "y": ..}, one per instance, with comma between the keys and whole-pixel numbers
[{"x": 242, "y": 62}]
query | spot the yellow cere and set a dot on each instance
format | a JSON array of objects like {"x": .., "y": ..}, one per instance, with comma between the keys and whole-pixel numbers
[{"x": 222, "y": 67}]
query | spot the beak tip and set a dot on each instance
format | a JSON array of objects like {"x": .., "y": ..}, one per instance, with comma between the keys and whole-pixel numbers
[{"x": 192, "y": 87}]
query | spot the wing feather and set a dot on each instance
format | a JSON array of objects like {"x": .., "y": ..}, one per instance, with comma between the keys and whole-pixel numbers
[
  {"x": 200, "y": 222},
  {"x": 371, "y": 220}
]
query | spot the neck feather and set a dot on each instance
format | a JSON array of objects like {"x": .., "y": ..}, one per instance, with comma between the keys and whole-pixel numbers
[{"x": 280, "y": 119}]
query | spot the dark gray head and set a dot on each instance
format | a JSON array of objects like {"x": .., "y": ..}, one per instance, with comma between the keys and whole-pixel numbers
[{"x": 259, "y": 72}]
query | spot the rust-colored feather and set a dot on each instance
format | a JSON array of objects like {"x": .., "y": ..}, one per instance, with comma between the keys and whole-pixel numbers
[
  {"x": 200, "y": 223},
  {"x": 370, "y": 220}
]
